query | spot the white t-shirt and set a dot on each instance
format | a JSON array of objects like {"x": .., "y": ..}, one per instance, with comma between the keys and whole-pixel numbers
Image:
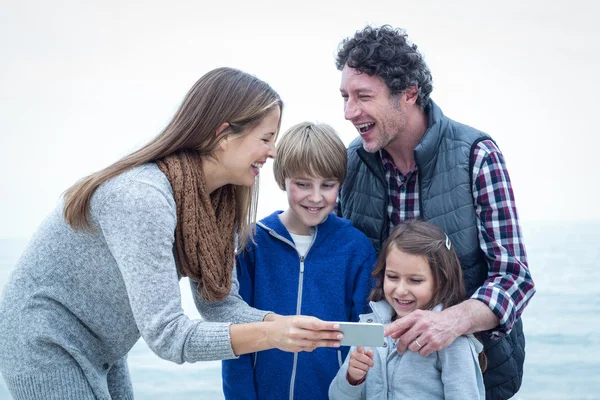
[{"x": 302, "y": 242}]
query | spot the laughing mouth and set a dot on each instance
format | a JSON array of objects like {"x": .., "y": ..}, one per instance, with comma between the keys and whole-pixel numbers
[
  {"x": 404, "y": 303},
  {"x": 362, "y": 128},
  {"x": 313, "y": 209},
  {"x": 257, "y": 165}
]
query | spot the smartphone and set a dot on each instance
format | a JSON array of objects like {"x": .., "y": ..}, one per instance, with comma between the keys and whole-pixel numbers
[{"x": 362, "y": 334}]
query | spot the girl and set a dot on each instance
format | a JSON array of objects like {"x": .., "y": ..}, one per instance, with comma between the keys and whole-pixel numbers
[
  {"x": 103, "y": 268},
  {"x": 417, "y": 269}
]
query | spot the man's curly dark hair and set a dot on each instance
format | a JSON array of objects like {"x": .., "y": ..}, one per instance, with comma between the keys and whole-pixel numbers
[{"x": 387, "y": 53}]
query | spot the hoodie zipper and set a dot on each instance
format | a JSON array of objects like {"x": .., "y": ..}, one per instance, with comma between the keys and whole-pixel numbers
[
  {"x": 298, "y": 308},
  {"x": 299, "y": 299}
]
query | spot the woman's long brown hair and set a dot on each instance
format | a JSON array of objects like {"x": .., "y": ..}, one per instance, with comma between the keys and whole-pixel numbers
[{"x": 221, "y": 95}]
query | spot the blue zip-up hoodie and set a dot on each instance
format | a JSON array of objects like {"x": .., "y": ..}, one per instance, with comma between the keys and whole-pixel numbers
[{"x": 331, "y": 282}]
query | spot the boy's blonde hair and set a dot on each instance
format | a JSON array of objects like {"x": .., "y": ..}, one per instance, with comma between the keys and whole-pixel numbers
[{"x": 310, "y": 150}]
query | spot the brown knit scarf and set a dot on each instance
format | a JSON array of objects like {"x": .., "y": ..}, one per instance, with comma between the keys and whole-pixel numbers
[{"x": 204, "y": 236}]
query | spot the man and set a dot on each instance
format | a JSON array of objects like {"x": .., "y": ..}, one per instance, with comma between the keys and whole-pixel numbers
[{"x": 411, "y": 161}]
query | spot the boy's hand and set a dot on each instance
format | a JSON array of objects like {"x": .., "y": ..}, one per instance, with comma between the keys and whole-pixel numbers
[{"x": 359, "y": 364}]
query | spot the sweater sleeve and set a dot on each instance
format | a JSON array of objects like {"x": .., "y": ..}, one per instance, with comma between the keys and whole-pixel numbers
[
  {"x": 232, "y": 308},
  {"x": 341, "y": 389},
  {"x": 461, "y": 375},
  {"x": 137, "y": 220}
]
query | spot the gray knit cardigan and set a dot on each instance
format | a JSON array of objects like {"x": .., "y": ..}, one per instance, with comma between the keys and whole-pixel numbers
[{"x": 77, "y": 302}]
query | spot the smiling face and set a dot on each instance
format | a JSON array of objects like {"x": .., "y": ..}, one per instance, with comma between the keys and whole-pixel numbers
[
  {"x": 242, "y": 156},
  {"x": 378, "y": 117},
  {"x": 408, "y": 282},
  {"x": 310, "y": 201}
]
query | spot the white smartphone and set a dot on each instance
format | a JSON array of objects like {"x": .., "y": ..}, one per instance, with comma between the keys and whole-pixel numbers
[{"x": 362, "y": 334}]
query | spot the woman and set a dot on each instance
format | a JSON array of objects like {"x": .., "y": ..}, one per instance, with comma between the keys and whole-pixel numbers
[{"x": 103, "y": 268}]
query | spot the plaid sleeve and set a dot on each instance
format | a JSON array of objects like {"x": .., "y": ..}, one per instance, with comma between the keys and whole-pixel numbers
[{"x": 509, "y": 286}]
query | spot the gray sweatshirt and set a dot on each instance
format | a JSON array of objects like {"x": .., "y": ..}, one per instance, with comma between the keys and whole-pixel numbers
[
  {"x": 77, "y": 302},
  {"x": 452, "y": 373}
]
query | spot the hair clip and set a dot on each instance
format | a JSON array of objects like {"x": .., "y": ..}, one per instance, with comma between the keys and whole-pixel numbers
[{"x": 448, "y": 244}]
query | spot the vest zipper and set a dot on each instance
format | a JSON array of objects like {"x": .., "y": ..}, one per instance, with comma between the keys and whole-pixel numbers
[
  {"x": 420, "y": 183},
  {"x": 377, "y": 174}
]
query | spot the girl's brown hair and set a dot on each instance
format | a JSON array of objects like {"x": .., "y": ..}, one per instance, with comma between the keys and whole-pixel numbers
[
  {"x": 221, "y": 95},
  {"x": 424, "y": 239}
]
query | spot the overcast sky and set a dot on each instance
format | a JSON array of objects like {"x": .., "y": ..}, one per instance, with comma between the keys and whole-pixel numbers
[{"x": 84, "y": 83}]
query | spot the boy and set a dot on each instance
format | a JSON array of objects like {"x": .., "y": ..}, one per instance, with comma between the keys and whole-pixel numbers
[{"x": 305, "y": 261}]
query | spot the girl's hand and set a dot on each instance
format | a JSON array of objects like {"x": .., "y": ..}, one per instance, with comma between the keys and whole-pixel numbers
[
  {"x": 302, "y": 333},
  {"x": 359, "y": 364}
]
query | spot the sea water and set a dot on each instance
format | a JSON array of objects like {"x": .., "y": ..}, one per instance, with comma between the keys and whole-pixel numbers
[{"x": 561, "y": 324}]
